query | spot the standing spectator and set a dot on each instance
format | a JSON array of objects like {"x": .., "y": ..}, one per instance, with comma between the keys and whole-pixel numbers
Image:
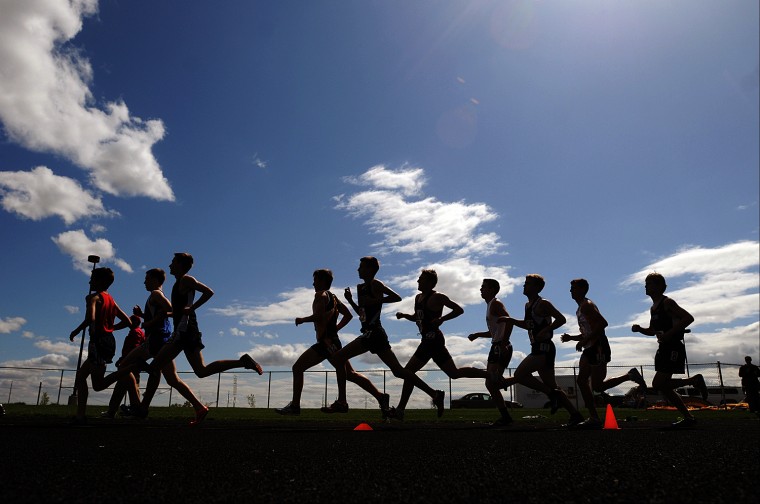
[{"x": 750, "y": 374}]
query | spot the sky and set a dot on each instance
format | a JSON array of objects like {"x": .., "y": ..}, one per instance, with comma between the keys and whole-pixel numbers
[{"x": 593, "y": 139}]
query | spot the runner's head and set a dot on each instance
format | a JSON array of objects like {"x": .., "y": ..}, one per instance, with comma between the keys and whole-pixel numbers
[
  {"x": 428, "y": 279},
  {"x": 322, "y": 279},
  {"x": 368, "y": 267},
  {"x": 181, "y": 264},
  {"x": 101, "y": 279},
  {"x": 489, "y": 288}
]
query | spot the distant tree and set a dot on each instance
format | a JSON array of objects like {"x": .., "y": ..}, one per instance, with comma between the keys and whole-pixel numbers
[
  {"x": 44, "y": 399},
  {"x": 251, "y": 400}
]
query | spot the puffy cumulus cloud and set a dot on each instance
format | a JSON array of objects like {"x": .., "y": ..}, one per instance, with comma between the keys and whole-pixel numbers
[
  {"x": 716, "y": 285},
  {"x": 234, "y": 331},
  {"x": 277, "y": 355},
  {"x": 11, "y": 324},
  {"x": 71, "y": 309},
  {"x": 40, "y": 193},
  {"x": 416, "y": 226},
  {"x": 46, "y": 104},
  {"x": 78, "y": 246},
  {"x": 282, "y": 312},
  {"x": 64, "y": 347}
]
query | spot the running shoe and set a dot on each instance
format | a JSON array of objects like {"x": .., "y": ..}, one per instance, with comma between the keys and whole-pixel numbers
[
  {"x": 396, "y": 414},
  {"x": 438, "y": 401},
  {"x": 636, "y": 377},
  {"x": 132, "y": 411},
  {"x": 385, "y": 405},
  {"x": 200, "y": 415},
  {"x": 701, "y": 385},
  {"x": 289, "y": 410},
  {"x": 686, "y": 423},
  {"x": 575, "y": 420},
  {"x": 591, "y": 423},
  {"x": 336, "y": 407},
  {"x": 107, "y": 414},
  {"x": 249, "y": 363}
]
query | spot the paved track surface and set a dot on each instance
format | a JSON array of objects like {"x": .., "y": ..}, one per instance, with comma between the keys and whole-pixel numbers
[{"x": 301, "y": 462}]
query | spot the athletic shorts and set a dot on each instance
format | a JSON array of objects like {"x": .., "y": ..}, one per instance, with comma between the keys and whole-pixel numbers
[
  {"x": 598, "y": 353},
  {"x": 102, "y": 348},
  {"x": 433, "y": 346},
  {"x": 327, "y": 347},
  {"x": 374, "y": 339},
  {"x": 671, "y": 358},
  {"x": 545, "y": 348},
  {"x": 189, "y": 341},
  {"x": 155, "y": 341},
  {"x": 499, "y": 355}
]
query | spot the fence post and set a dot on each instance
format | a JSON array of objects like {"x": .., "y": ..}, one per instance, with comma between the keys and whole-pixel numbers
[
  {"x": 575, "y": 381},
  {"x": 449, "y": 392},
  {"x": 9, "y": 392},
  {"x": 39, "y": 391},
  {"x": 60, "y": 385},
  {"x": 269, "y": 388},
  {"x": 722, "y": 390},
  {"x": 218, "y": 384},
  {"x": 324, "y": 402}
]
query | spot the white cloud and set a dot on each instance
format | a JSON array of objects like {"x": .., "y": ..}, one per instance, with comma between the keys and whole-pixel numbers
[
  {"x": 258, "y": 162},
  {"x": 46, "y": 104},
  {"x": 422, "y": 225},
  {"x": 236, "y": 332},
  {"x": 97, "y": 229},
  {"x": 71, "y": 309},
  {"x": 11, "y": 324},
  {"x": 407, "y": 180},
  {"x": 63, "y": 347},
  {"x": 293, "y": 305},
  {"x": 278, "y": 355},
  {"x": 40, "y": 193},
  {"x": 77, "y": 245}
]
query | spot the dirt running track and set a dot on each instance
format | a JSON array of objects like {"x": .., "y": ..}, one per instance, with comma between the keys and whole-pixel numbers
[{"x": 394, "y": 463}]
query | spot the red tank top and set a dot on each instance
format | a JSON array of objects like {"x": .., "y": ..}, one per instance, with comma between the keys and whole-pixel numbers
[{"x": 105, "y": 316}]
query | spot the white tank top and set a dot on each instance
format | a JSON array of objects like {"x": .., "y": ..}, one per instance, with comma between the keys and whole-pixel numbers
[{"x": 496, "y": 329}]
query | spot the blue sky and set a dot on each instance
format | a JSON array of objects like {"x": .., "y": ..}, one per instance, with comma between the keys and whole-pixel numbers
[{"x": 586, "y": 139}]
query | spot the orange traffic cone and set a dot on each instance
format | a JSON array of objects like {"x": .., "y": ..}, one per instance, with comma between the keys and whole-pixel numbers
[
  {"x": 363, "y": 426},
  {"x": 610, "y": 422}
]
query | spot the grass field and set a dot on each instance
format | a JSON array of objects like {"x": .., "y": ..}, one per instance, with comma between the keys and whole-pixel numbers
[{"x": 538, "y": 417}]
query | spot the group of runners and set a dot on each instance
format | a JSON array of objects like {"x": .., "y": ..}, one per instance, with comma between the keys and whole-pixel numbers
[
  {"x": 161, "y": 343},
  {"x": 668, "y": 322}
]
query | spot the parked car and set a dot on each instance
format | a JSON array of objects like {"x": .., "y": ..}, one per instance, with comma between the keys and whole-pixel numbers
[{"x": 479, "y": 400}]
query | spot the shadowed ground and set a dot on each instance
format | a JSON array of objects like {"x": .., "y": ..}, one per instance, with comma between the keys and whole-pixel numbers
[{"x": 410, "y": 462}]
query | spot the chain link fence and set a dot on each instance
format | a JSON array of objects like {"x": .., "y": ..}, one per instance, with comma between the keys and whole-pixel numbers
[{"x": 246, "y": 389}]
